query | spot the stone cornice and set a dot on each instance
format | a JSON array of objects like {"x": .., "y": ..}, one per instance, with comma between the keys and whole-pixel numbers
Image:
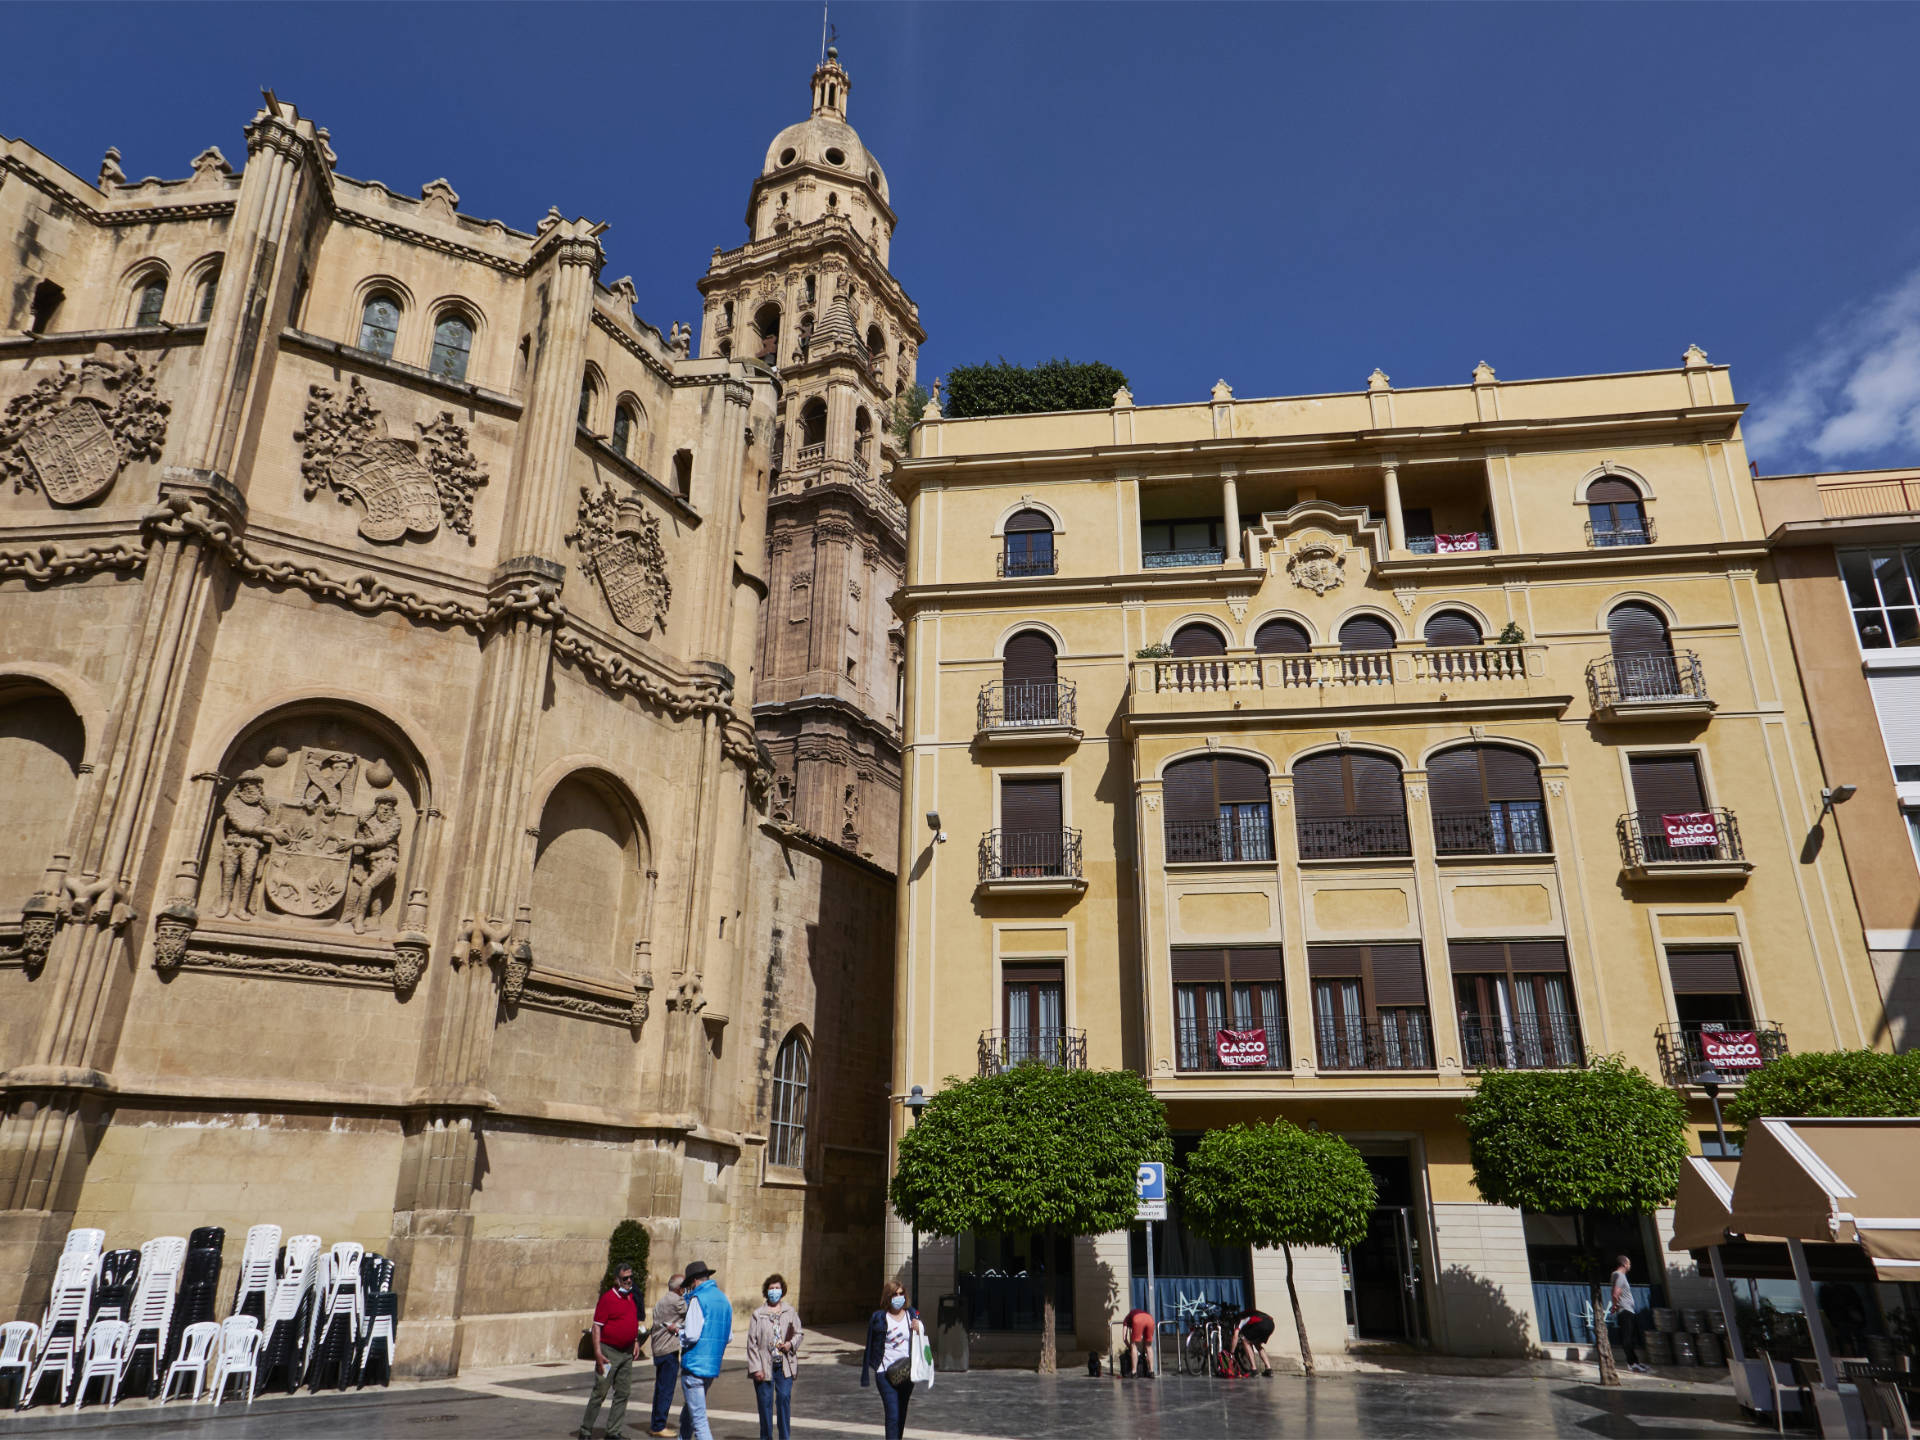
[
  {"x": 366, "y": 362},
  {"x": 1332, "y": 717},
  {"x": 839, "y": 711},
  {"x": 829, "y": 233},
  {"x": 608, "y": 326}
]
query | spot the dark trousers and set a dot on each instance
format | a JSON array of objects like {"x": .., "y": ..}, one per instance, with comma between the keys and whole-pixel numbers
[
  {"x": 666, "y": 1373},
  {"x": 894, "y": 1401},
  {"x": 775, "y": 1398},
  {"x": 1632, "y": 1329},
  {"x": 618, "y": 1377}
]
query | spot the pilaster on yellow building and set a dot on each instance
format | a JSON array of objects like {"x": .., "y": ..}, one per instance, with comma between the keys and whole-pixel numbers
[{"x": 1313, "y": 755}]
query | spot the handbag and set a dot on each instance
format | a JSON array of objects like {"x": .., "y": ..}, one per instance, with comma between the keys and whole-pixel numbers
[{"x": 900, "y": 1372}]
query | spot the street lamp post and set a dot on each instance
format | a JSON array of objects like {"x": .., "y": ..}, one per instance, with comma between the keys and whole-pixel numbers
[
  {"x": 1710, "y": 1080},
  {"x": 916, "y": 1102}
]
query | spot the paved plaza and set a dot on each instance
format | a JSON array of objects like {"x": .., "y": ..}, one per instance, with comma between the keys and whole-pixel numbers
[{"x": 983, "y": 1405}]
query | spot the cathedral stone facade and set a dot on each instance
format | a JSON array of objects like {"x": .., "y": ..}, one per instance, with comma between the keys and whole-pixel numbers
[{"x": 428, "y": 822}]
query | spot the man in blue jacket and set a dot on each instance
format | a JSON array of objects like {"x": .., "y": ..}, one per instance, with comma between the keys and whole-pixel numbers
[{"x": 703, "y": 1342}]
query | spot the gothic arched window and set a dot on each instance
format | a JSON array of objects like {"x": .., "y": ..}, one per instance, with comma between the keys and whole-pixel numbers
[
  {"x": 787, "y": 1132},
  {"x": 623, "y": 430},
  {"x": 379, "y": 324},
  {"x": 452, "y": 346},
  {"x": 148, "y": 299},
  {"x": 209, "y": 288}
]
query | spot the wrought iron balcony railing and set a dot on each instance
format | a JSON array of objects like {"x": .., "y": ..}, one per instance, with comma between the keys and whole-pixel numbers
[
  {"x": 1398, "y": 1040},
  {"x": 1019, "y": 567},
  {"x": 1624, "y": 679},
  {"x": 1030, "y": 855},
  {"x": 1535, "y": 1042},
  {"x": 1062, "y": 1048},
  {"x": 1028, "y": 705},
  {"x": 1456, "y": 544},
  {"x": 1173, "y": 559},
  {"x": 1244, "y": 836},
  {"x": 1644, "y": 839},
  {"x": 1506, "y": 827},
  {"x": 1353, "y": 837},
  {"x": 1195, "y": 1046},
  {"x": 1644, "y": 534},
  {"x": 1684, "y": 1055}
]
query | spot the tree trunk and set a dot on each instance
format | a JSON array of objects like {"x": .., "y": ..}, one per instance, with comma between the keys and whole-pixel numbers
[
  {"x": 1602, "y": 1346},
  {"x": 1049, "y": 1352},
  {"x": 1299, "y": 1320}
]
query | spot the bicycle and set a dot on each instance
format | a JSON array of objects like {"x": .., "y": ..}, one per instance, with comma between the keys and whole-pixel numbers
[{"x": 1207, "y": 1346}]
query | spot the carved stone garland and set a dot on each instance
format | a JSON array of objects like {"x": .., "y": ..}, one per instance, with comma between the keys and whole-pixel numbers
[
  {"x": 405, "y": 487},
  {"x": 621, "y": 544},
  {"x": 70, "y": 436}
]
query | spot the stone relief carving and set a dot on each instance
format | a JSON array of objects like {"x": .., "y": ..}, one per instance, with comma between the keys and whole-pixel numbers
[
  {"x": 1318, "y": 563},
  {"x": 71, "y": 435},
  {"x": 1556, "y": 787},
  {"x": 1406, "y": 596},
  {"x": 405, "y": 487},
  {"x": 621, "y": 544},
  {"x": 850, "y": 808}
]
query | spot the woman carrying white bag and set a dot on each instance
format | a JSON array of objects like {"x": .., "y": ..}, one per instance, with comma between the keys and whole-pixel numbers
[{"x": 897, "y": 1355}]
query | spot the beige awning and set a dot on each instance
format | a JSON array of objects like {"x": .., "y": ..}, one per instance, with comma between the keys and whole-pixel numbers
[
  {"x": 1851, "y": 1181},
  {"x": 1703, "y": 1206}
]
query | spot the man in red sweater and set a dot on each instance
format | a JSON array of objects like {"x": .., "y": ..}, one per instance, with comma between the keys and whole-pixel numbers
[{"x": 616, "y": 1338}]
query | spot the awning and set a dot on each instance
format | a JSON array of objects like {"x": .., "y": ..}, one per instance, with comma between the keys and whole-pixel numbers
[
  {"x": 1845, "y": 1180},
  {"x": 1703, "y": 1206}
]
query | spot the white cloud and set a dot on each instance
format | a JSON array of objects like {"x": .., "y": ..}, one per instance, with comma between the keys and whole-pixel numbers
[{"x": 1854, "y": 396}]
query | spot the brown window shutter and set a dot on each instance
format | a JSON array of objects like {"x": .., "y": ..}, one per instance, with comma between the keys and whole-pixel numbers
[
  {"x": 1704, "y": 972},
  {"x": 1451, "y": 628},
  {"x": 1240, "y": 782},
  {"x": 1366, "y": 632},
  {"x": 1030, "y": 806},
  {"x": 1667, "y": 784},
  {"x": 1376, "y": 786},
  {"x": 1281, "y": 637},
  {"x": 1196, "y": 641},
  {"x": 1187, "y": 791},
  {"x": 1611, "y": 492},
  {"x": 1030, "y": 658},
  {"x": 1399, "y": 977},
  {"x": 1333, "y": 962},
  {"x": 1511, "y": 774},
  {"x": 1319, "y": 787},
  {"x": 1251, "y": 964},
  {"x": 1477, "y": 957},
  {"x": 1027, "y": 520},
  {"x": 1199, "y": 967},
  {"x": 1033, "y": 974},
  {"x": 1637, "y": 629},
  {"x": 1538, "y": 957},
  {"x": 1453, "y": 780}
]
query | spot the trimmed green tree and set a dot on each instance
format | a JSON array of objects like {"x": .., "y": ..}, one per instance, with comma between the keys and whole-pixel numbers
[
  {"x": 1830, "y": 1082},
  {"x": 1007, "y": 389},
  {"x": 628, "y": 1245},
  {"x": 1035, "y": 1149},
  {"x": 1274, "y": 1184},
  {"x": 908, "y": 406},
  {"x": 1604, "y": 1140}
]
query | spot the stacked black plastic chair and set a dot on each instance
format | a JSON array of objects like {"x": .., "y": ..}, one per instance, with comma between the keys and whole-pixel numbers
[
  {"x": 374, "y": 1363},
  {"x": 199, "y": 1282},
  {"x": 113, "y": 1291},
  {"x": 340, "y": 1322},
  {"x": 290, "y": 1315}
]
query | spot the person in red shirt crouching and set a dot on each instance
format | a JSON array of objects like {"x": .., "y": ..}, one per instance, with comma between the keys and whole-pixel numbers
[
  {"x": 616, "y": 1338},
  {"x": 1140, "y": 1328}
]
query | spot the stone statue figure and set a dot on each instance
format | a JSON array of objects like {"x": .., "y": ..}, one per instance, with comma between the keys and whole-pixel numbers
[
  {"x": 249, "y": 828},
  {"x": 376, "y": 855}
]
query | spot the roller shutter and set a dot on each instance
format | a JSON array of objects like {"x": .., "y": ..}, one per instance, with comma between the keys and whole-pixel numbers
[
  {"x": 1366, "y": 632},
  {"x": 1610, "y": 491},
  {"x": 1030, "y": 806},
  {"x": 1195, "y": 642},
  {"x": 1704, "y": 972},
  {"x": 1897, "y": 698},
  {"x": 1450, "y": 628},
  {"x": 1187, "y": 792},
  {"x": 1667, "y": 784},
  {"x": 1028, "y": 521},
  {"x": 1281, "y": 637},
  {"x": 1399, "y": 978},
  {"x": 1254, "y": 964},
  {"x": 1453, "y": 780},
  {"x": 1030, "y": 659},
  {"x": 1637, "y": 629},
  {"x": 1199, "y": 967}
]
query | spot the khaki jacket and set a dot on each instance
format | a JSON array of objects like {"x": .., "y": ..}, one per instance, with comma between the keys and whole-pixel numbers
[
  {"x": 772, "y": 1324},
  {"x": 669, "y": 1313}
]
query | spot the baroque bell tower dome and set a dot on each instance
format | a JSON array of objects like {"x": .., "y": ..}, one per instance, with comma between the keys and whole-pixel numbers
[{"x": 810, "y": 296}]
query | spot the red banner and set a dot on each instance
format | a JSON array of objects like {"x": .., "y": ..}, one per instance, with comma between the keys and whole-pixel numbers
[
  {"x": 1731, "y": 1049},
  {"x": 1241, "y": 1049},
  {"x": 1455, "y": 544},
  {"x": 1691, "y": 830}
]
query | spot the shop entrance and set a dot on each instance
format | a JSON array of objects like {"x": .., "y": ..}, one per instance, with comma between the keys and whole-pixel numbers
[{"x": 1385, "y": 1284}]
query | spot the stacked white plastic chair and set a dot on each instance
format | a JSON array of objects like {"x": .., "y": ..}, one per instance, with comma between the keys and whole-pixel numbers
[
  {"x": 18, "y": 1340},
  {"x": 340, "y": 1317},
  {"x": 239, "y": 1355},
  {"x": 105, "y": 1358},
  {"x": 150, "y": 1317},
  {"x": 63, "y": 1330},
  {"x": 257, "y": 1262},
  {"x": 196, "y": 1348},
  {"x": 290, "y": 1292}
]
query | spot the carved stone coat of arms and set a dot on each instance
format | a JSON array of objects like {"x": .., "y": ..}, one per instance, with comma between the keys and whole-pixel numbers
[
  {"x": 404, "y": 487},
  {"x": 620, "y": 543},
  {"x": 72, "y": 434}
]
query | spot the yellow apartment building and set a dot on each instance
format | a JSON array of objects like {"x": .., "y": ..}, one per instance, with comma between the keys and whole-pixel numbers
[{"x": 1311, "y": 755}]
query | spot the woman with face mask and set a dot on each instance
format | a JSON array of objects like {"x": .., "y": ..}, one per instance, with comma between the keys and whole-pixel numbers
[
  {"x": 892, "y": 1332},
  {"x": 773, "y": 1354}
]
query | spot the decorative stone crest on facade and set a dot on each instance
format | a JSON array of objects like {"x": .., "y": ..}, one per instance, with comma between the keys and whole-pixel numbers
[
  {"x": 1317, "y": 561},
  {"x": 71, "y": 435},
  {"x": 1405, "y": 595},
  {"x": 405, "y": 487},
  {"x": 621, "y": 544},
  {"x": 170, "y": 931},
  {"x": 39, "y": 919}
]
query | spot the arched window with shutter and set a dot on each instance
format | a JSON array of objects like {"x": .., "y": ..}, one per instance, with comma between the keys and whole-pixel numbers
[
  {"x": 1349, "y": 803},
  {"x": 1029, "y": 680},
  {"x": 1487, "y": 800},
  {"x": 1616, "y": 514},
  {"x": 1644, "y": 666},
  {"x": 1218, "y": 808},
  {"x": 1366, "y": 632},
  {"x": 1028, "y": 548},
  {"x": 787, "y": 1126},
  {"x": 1197, "y": 641},
  {"x": 1451, "y": 629},
  {"x": 1282, "y": 637}
]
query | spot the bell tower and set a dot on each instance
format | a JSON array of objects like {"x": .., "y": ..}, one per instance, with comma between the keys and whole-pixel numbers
[{"x": 810, "y": 296}]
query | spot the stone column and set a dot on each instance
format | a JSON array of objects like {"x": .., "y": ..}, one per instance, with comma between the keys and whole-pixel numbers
[
  {"x": 1230, "y": 508},
  {"x": 1396, "y": 518}
]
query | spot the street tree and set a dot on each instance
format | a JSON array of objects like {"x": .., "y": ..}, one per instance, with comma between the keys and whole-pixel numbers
[
  {"x": 1275, "y": 1184},
  {"x": 1034, "y": 1149},
  {"x": 1605, "y": 1140},
  {"x": 1830, "y": 1082}
]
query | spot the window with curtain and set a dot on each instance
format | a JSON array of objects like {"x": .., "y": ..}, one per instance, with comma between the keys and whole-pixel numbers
[
  {"x": 1348, "y": 804},
  {"x": 1370, "y": 1007},
  {"x": 1027, "y": 544},
  {"x": 1218, "y": 808},
  {"x": 147, "y": 300},
  {"x": 452, "y": 346},
  {"x": 379, "y": 324},
  {"x": 1516, "y": 1004},
  {"x": 1616, "y": 515},
  {"x": 1487, "y": 800},
  {"x": 1236, "y": 988},
  {"x": 787, "y": 1131},
  {"x": 1033, "y": 1010}
]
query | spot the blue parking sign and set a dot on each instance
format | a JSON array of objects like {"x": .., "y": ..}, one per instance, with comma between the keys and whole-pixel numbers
[{"x": 1151, "y": 1181}]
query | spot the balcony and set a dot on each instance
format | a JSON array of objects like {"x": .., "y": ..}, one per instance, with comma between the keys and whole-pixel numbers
[
  {"x": 1506, "y": 827},
  {"x": 1703, "y": 844},
  {"x": 1197, "y": 1051},
  {"x": 809, "y": 455},
  {"x": 1000, "y": 1050},
  {"x": 1043, "y": 862},
  {"x": 1498, "y": 674},
  {"x": 1403, "y": 1041},
  {"x": 1684, "y": 1054},
  {"x": 1644, "y": 534},
  {"x": 1245, "y": 837},
  {"x": 1176, "y": 559},
  {"x": 1846, "y": 499},
  {"x": 1028, "y": 712},
  {"x": 1466, "y": 544},
  {"x": 1648, "y": 687},
  {"x": 1022, "y": 567},
  {"x": 1549, "y": 1042},
  {"x": 1354, "y": 837}
]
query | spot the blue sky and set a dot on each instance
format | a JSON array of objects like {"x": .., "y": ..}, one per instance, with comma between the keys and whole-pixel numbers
[{"x": 1281, "y": 195}]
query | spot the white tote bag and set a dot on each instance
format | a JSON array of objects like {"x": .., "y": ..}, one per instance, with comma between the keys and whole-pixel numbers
[{"x": 921, "y": 1351}]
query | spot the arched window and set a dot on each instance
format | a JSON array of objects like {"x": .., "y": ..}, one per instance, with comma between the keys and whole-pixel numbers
[
  {"x": 209, "y": 288},
  {"x": 787, "y": 1131},
  {"x": 452, "y": 345},
  {"x": 863, "y": 438},
  {"x": 1451, "y": 628},
  {"x": 1616, "y": 515},
  {"x": 1349, "y": 804},
  {"x": 623, "y": 430},
  {"x": 587, "y": 879},
  {"x": 47, "y": 299},
  {"x": 1198, "y": 641},
  {"x": 379, "y": 324},
  {"x": 726, "y": 349},
  {"x": 1282, "y": 637},
  {"x": 147, "y": 300},
  {"x": 1028, "y": 549},
  {"x": 1030, "y": 681},
  {"x": 584, "y": 419},
  {"x": 683, "y": 473},
  {"x": 876, "y": 343},
  {"x": 813, "y": 425},
  {"x": 1366, "y": 632},
  {"x": 726, "y": 315},
  {"x": 766, "y": 321},
  {"x": 42, "y": 745},
  {"x": 1486, "y": 801},
  {"x": 1218, "y": 808},
  {"x": 1644, "y": 665}
]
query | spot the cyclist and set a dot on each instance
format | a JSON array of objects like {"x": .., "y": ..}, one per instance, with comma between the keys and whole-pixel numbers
[{"x": 1250, "y": 1336}]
